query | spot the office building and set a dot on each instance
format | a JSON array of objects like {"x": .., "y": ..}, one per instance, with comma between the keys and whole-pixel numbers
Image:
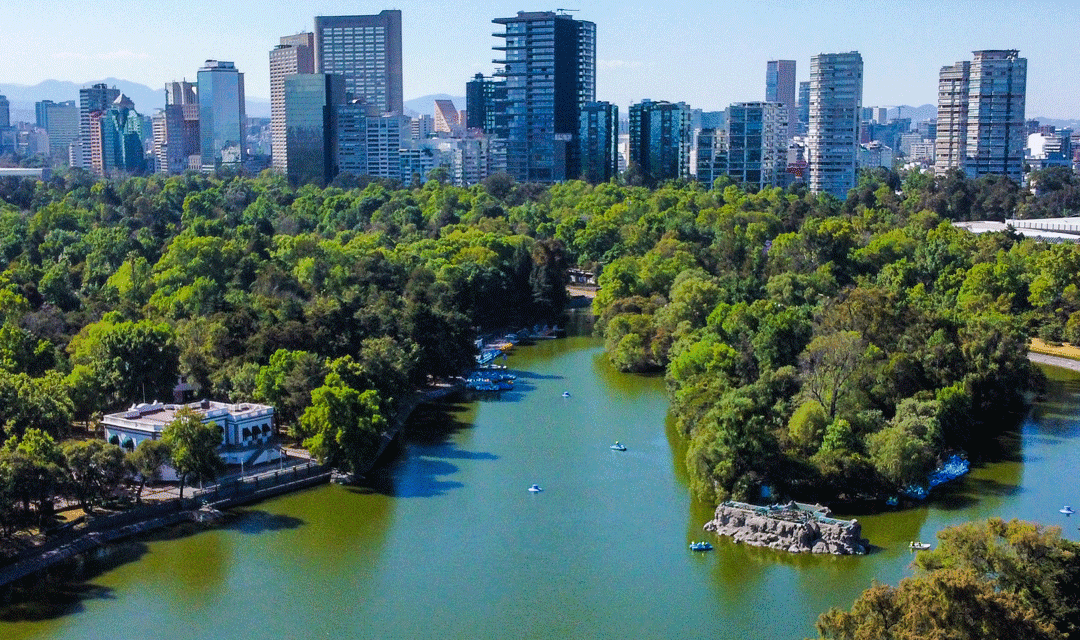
[
  {"x": 5, "y": 113},
  {"x": 549, "y": 62},
  {"x": 293, "y": 54},
  {"x": 832, "y": 141},
  {"x": 804, "y": 109},
  {"x": 757, "y": 143},
  {"x": 311, "y": 145},
  {"x": 61, "y": 121},
  {"x": 709, "y": 154},
  {"x": 118, "y": 142},
  {"x": 447, "y": 118},
  {"x": 780, "y": 87},
  {"x": 485, "y": 104},
  {"x": 369, "y": 140},
  {"x": 598, "y": 138},
  {"x": 981, "y": 126},
  {"x": 366, "y": 51},
  {"x": 660, "y": 138},
  {"x": 176, "y": 130},
  {"x": 222, "y": 118},
  {"x": 422, "y": 126},
  {"x": 92, "y": 100}
]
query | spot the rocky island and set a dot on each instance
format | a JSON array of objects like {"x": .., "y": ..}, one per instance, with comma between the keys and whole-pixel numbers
[{"x": 792, "y": 527}]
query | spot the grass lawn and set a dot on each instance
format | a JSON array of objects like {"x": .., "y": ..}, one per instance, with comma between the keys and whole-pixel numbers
[{"x": 1064, "y": 350}]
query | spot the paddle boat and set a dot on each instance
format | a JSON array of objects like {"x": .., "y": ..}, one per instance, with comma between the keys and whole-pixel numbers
[
  {"x": 700, "y": 546},
  {"x": 535, "y": 489},
  {"x": 919, "y": 546},
  {"x": 1067, "y": 510},
  {"x": 618, "y": 446},
  {"x": 566, "y": 394}
]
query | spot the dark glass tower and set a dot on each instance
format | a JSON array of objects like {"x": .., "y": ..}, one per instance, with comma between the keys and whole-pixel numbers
[
  {"x": 311, "y": 105},
  {"x": 485, "y": 105},
  {"x": 598, "y": 139},
  {"x": 660, "y": 140},
  {"x": 550, "y": 71}
]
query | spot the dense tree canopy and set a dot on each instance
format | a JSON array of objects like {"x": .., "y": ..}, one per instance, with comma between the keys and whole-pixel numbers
[{"x": 909, "y": 334}]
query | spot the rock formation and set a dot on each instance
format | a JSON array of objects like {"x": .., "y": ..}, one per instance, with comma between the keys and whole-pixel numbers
[{"x": 792, "y": 527}]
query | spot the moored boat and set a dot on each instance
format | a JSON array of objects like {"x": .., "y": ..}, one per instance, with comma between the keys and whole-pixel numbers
[{"x": 700, "y": 546}]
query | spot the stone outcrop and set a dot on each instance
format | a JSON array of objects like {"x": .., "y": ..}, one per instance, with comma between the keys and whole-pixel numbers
[{"x": 796, "y": 528}]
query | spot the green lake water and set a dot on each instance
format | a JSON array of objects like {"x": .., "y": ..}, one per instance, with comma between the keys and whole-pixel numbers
[{"x": 448, "y": 543}]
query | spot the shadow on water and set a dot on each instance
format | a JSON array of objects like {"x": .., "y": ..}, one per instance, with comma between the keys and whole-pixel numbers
[
  {"x": 419, "y": 463},
  {"x": 65, "y": 588},
  {"x": 256, "y": 522}
]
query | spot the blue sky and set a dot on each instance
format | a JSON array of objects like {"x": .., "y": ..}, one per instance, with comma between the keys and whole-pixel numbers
[{"x": 708, "y": 53}]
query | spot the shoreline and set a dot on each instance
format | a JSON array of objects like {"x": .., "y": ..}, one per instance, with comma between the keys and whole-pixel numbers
[{"x": 48, "y": 555}]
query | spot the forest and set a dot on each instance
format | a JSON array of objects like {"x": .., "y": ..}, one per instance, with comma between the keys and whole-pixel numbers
[{"x": 817, "y": 348}]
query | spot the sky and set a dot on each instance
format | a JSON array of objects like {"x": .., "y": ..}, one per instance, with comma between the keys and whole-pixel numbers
[{"x": 708, "y": 53}]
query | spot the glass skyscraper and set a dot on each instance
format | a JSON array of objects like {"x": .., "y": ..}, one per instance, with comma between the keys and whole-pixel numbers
[
  {"x": 366, "y": 51},
  {"x": 780, "y": 87},
  {"x": 222, "y": 119},
  {"x": 550, "y": 70},
  {"x": 660, "y": 140},
  {"x": 598, "y": 138},
  {"x": 311, "y": 104}
]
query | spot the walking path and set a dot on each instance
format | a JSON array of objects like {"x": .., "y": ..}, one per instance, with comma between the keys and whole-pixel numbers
[{"x": 1054, "y": 361}]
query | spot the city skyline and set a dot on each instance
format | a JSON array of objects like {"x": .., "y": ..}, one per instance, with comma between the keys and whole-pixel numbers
[{"x": 904, "y": 45}]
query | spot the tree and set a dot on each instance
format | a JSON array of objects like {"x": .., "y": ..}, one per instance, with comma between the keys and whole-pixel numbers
[
  {"x": 95, "y": 470},
  {"x": 342, "y": 426},
  {"x": 36, "y": 468},
  {"x": 287, "y": 381},
  {"x": 193, "y": 447},
  {"x": 984, "y": 580},
  {"x": 147, "y": 460},
  {"x": 829, "y": 367}
]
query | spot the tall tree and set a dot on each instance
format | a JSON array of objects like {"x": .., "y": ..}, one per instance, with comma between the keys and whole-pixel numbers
[
  {"x": 147, "y": 460},
  {"x": 193, "y": 447}
]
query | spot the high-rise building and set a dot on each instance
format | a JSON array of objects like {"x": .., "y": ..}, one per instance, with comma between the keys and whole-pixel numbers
[
  {"x": 757, "y": 143},
  {"x": 176, "y": 130},
  {"x": 549, "y": 62},
  {"x": 804, "y": 108},
  {"x": 311, "y": 108},
  {"x": 708, "y": 154},
  {"x": 981, "y": 127},
  {"x": 422, "y": 126},
  {"x": 121, "y": 133},
  {"x": 92, "y": 100},
  {"x": 5, "y": 113},
  {"x": 660, "y": 140},
  {"x": 294, "y": 54},
  {"x": 222, "y": 118},
  {"x": 780, "y": 87},
  {"x": 61, "y": 121},
  {"x": 369, "y": 140},
  {"x": 832, "y": 145},
  {"x": 446, "y": 117},
  {"x": 598, "y": 138},
  {"x": 485, "y": 104},
  {"x": 366, "y": 51}
]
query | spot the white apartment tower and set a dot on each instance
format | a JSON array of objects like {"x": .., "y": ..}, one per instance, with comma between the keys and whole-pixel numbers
[
  {"x": 981, "y": 115},
  {"x": 836, "y": 81}
]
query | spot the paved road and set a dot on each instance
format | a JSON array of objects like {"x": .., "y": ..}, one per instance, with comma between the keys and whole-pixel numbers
[{"x": 1054, "y": 361}]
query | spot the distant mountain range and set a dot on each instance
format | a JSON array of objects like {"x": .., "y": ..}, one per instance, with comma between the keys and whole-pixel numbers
[{"x": 147, "y": 101}]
